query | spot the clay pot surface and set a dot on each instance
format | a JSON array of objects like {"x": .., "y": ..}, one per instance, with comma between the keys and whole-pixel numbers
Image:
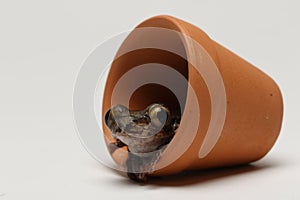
[{"x": 249, "y": 101}]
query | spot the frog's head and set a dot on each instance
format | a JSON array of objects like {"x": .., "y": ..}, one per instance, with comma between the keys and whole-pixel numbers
[{"x": 137, "y": 124}]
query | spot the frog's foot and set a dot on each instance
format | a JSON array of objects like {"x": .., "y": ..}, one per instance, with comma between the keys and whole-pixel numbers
[{"x": 138, "y": 177}]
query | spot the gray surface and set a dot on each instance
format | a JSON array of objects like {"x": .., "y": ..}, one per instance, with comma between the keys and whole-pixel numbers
[{"x": 42, "y": 46}]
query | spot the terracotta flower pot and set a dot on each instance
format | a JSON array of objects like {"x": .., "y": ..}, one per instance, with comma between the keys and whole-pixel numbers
[{"x": 231, "y": 111}]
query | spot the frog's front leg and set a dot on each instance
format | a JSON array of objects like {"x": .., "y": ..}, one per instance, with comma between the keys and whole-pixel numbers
[{"x": 113, "y": 146}]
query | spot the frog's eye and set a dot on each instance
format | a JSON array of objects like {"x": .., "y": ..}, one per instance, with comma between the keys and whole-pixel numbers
[
  {"x": 119, "y": 111},
  {"x": 120, "y": 115},
  {"x": 159, "y": 115}
]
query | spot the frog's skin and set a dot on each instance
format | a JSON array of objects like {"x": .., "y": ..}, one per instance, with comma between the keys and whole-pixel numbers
[{"x": 145, "y": 133}]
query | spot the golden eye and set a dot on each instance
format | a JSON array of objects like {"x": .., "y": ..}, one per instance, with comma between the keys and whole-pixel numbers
[{"x": 159, "y": 115}]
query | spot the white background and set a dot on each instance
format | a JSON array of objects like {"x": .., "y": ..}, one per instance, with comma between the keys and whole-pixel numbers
[{"x": 42, "y": 46}]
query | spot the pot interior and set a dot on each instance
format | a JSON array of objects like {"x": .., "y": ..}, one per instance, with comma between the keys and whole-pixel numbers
[{"x": 150, "y": 67}]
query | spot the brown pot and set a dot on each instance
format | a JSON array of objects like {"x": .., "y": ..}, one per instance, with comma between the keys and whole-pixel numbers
[{"x": 244, "y": 121}]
